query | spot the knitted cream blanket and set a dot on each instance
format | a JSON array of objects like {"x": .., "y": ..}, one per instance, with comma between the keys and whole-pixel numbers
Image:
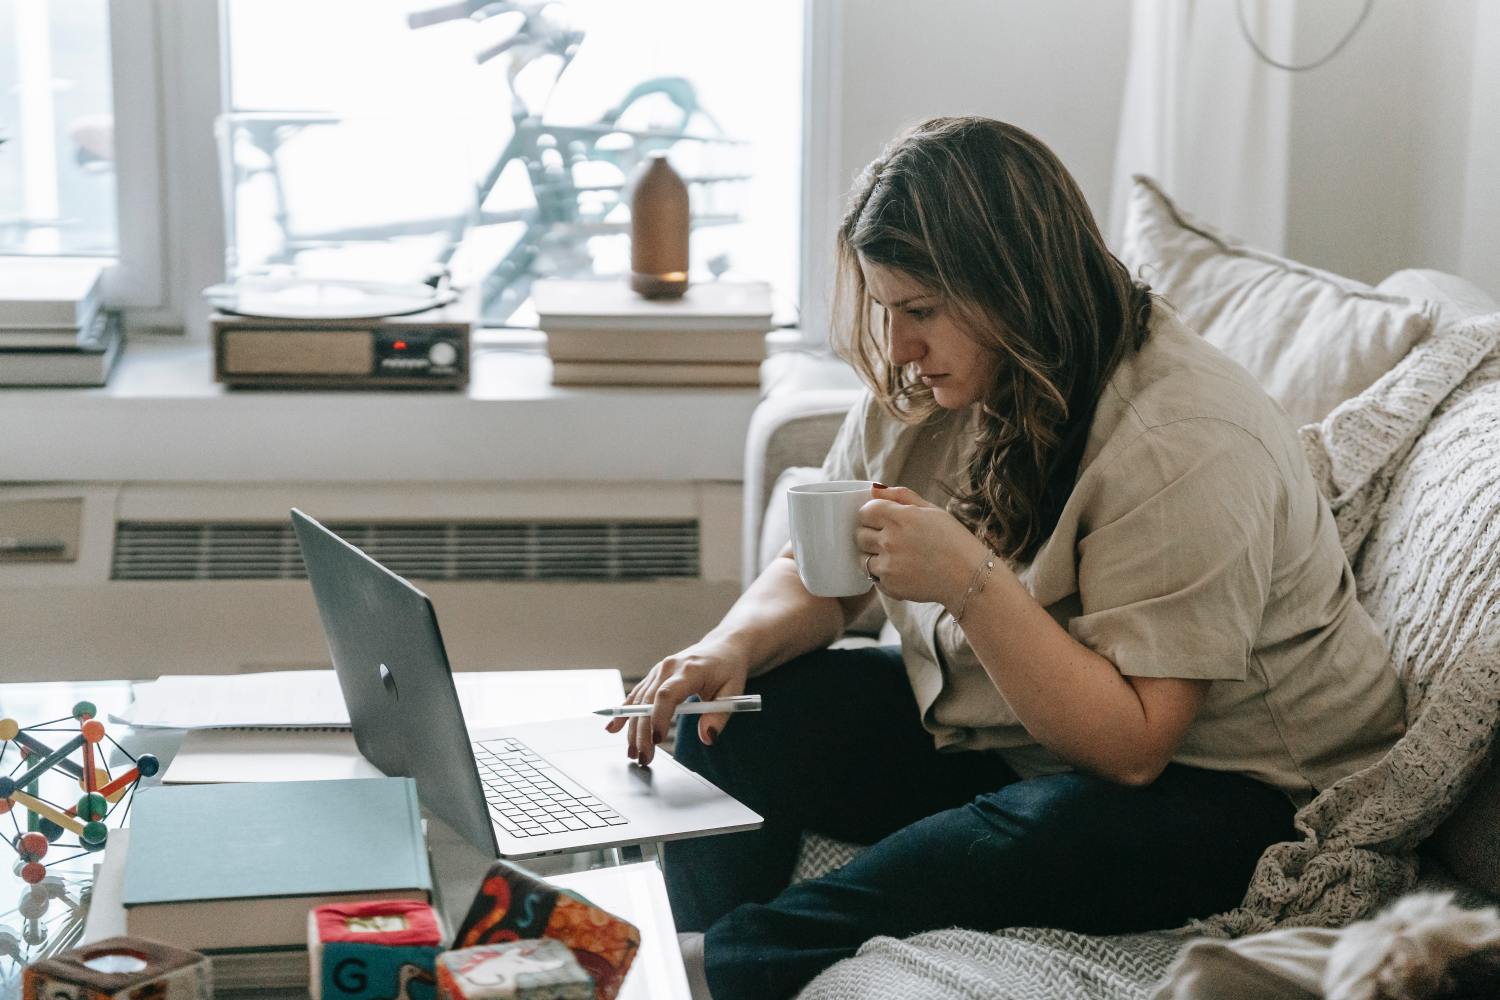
[
  {"x": 1417, "y": 502},
  {"x": 1411, "y": 468}
]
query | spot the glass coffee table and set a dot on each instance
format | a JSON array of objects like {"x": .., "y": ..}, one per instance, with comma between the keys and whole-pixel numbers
[{"x": 37, "y": 921}]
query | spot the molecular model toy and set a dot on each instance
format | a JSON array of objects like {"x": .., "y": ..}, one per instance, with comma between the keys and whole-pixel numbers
[{"x": 47, "y": 821}]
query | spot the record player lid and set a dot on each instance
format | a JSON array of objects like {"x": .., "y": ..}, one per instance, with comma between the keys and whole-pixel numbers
[{"x": 320, "y": 298}]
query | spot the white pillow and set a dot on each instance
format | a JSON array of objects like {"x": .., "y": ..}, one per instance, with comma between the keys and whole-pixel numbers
[
  {"x": 1456, "y": 298},
  {"x": 1311, "y": 338}
]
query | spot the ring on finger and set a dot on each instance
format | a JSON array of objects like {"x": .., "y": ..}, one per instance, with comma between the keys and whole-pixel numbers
[{"x": 868, "y": 575}]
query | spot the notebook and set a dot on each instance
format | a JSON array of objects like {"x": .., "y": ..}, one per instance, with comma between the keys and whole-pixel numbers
[{"x": 237, "y": 866}]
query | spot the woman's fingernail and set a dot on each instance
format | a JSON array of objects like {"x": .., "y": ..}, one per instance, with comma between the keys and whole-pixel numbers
[
  {"x": 880, "y": 486},
  {"x": 713, "y": 735}
]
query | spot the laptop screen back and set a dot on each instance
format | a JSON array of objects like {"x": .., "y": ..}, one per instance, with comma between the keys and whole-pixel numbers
[{"x": 388, "y": 653}]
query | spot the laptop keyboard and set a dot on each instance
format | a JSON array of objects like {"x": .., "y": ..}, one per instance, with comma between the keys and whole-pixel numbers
[{"x": 528, "y": 797}]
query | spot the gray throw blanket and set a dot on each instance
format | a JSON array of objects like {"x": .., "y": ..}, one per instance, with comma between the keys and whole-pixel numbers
[{"x": 1411, "y": 468}]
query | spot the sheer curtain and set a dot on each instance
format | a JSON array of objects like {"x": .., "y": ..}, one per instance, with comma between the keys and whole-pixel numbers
[{"x": 1206, "y": 118}]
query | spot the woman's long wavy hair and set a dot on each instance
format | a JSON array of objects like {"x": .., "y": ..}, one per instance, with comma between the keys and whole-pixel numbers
[{"x": 985, "y": 214}]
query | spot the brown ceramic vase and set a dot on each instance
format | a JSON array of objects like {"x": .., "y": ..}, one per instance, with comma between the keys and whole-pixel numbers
[{"x": 659, "y": 231}]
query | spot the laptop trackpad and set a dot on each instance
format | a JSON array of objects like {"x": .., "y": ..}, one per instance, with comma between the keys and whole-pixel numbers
[{"x": 629, "y": 787}]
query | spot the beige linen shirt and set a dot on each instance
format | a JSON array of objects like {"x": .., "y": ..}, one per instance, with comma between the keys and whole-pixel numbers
[{"x": 1195, "y": 544}]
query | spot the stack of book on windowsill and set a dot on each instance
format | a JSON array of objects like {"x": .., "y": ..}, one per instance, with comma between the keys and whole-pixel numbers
[
  {"x": 53, "y": 330},
  {"x": 602, "y": 333}
]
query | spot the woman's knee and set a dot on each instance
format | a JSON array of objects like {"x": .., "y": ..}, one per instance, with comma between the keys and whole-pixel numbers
[{"x": 795, "y": 698}]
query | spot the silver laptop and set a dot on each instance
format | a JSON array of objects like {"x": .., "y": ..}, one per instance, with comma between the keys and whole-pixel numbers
[{"x": 517, "y": 791}]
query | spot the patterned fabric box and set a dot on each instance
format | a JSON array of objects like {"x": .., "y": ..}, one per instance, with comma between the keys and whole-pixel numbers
[
  {"x": 513, "y": 905},
  {"x": 541, "y": 969},
  {"x": 120, "y": 968}
]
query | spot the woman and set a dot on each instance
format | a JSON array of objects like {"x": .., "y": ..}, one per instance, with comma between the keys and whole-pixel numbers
[{"x": 1130, "y": 645}]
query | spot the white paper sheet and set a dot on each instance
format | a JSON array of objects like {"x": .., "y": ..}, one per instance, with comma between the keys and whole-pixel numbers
[
  {"x": 311, "y": 699},
  {"x": 216, "y": 755},
  {"x": 282, "y": 699}
]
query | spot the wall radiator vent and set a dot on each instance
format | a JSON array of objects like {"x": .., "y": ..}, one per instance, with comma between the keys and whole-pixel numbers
[{"x": 458, "y": 550}]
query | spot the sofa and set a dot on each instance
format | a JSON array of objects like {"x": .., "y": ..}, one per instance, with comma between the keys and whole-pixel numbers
[{"x": 1396, "y": 391}]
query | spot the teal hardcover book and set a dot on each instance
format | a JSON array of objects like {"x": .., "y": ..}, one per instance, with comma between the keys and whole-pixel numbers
[{"x": 237, "y": 866}]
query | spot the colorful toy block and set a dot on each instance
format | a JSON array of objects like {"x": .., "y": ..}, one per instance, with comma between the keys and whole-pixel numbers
[{"x": 376, "y": 950}]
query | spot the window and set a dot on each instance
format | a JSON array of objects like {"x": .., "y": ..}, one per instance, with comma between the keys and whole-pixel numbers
[
  {"x": 382, "y": 138},
  {"x": 57, "y": 161}
]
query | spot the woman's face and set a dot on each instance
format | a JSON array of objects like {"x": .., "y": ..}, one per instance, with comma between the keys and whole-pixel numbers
[{"x": 923, "y": 334}]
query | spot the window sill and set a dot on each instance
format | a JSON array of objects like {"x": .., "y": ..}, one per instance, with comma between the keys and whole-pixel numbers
[{"x": 163, "y": 419}]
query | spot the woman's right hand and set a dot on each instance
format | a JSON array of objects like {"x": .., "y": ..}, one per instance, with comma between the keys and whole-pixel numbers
[{"x": 707, "y": 669}]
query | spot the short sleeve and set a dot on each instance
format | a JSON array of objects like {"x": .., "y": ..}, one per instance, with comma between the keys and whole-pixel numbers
[
  {"x": 846, "y": 456},
  {"x": 1174, "y": 570}
]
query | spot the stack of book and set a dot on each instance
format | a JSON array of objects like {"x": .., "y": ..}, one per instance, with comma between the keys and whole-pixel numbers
[
  {"x": 602, "y": 333},
  {"x": 231, "y": 870},
  {"x": 53, "y": 330}
]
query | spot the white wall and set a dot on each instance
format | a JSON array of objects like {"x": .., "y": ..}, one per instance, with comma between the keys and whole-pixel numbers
[
  {"x": 1054, "y": 67},
  {"x": 1395, "y": 156},
  {"x": 1479, "y": 244},
  {"x": 1395, "y": 143},
  {"x": 1439, "y": 123}
]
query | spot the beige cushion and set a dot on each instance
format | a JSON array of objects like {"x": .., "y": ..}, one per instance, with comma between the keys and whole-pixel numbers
[
  {"x": 1456, "y": 298},
  {"x": 1311, "y": 338}
]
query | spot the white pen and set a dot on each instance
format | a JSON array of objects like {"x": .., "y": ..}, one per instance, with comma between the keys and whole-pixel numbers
[{"x": 738, "y": 703}]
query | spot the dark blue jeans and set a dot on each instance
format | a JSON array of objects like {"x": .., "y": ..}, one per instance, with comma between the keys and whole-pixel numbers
[{"x": 957, "y": 840}]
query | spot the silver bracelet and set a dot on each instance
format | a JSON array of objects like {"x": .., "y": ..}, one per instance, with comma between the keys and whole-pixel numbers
[{"x": 976, "y": 584}]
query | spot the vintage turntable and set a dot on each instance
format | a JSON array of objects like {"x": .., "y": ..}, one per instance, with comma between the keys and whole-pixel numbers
[{"x": 339, "y": 335}]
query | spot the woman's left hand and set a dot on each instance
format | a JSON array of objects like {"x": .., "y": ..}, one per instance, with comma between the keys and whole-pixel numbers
[{"x": 916, "y": 551}]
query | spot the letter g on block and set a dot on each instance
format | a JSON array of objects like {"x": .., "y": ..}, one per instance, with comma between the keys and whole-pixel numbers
[{"x": 350, "y": 975}]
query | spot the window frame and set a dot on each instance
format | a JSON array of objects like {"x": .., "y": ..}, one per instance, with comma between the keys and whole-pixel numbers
[
  {"x": 138, "y": 277},
  {"x": 135, "y": 275},
  {"x": 823, "y": 189},
  {"x": 169, "y": 72}
]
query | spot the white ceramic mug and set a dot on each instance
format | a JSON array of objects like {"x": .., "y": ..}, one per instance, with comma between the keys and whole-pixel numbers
[{"x": 823, "y": 518}]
